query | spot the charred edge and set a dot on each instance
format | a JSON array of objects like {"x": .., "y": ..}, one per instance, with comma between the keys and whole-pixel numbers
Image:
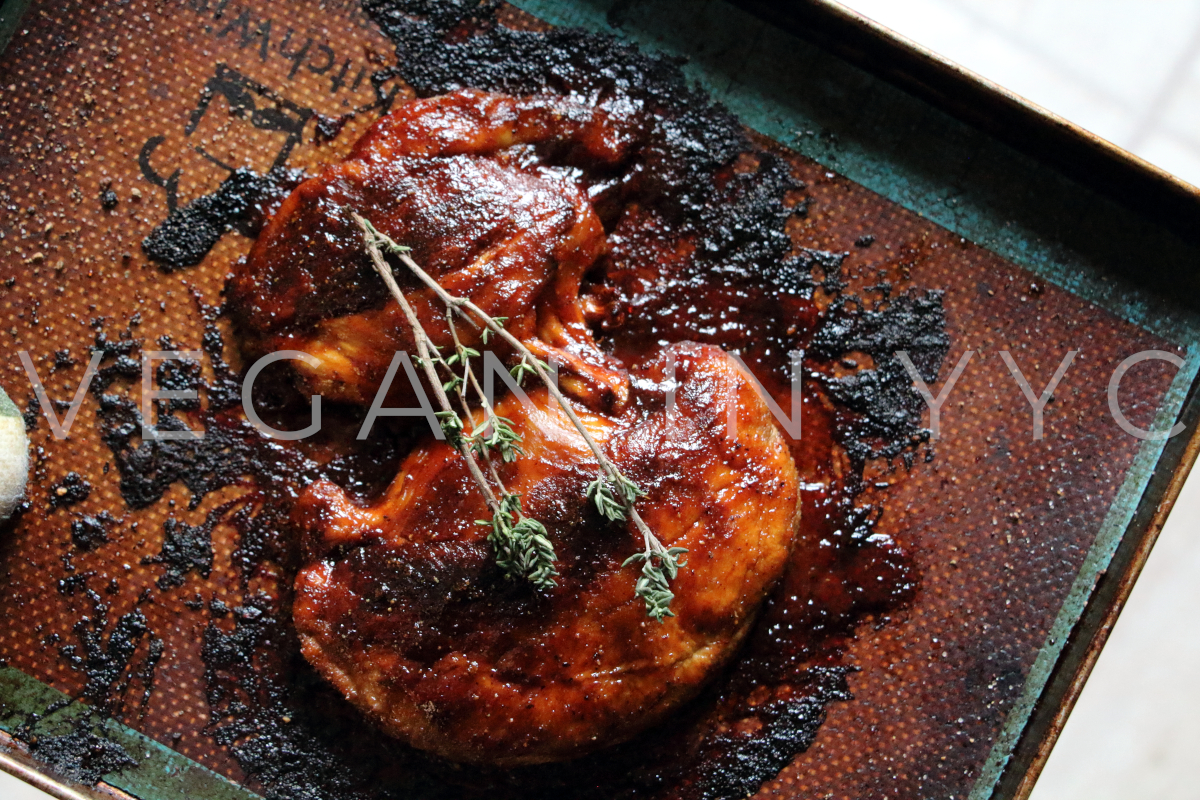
[
  {"x": 881, "y": 410},
  {"x": 89, "y": 532},
  {"x": 242, "y": 201},
  {"x": 106, "y": 661},
  {"x": 186, "y": 548},
  {"x": 740, "y": 764},
  {"x": 148, "y": 467},
  {"x": 738, "y": 222}
]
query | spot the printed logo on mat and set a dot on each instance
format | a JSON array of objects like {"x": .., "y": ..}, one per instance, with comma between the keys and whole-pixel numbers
[
  {"x": 249, "y": 101},
  {"x": 274, "y": 122}
]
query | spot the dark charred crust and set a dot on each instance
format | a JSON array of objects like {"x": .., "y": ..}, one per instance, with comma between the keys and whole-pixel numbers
[
  {"x": 63, "y": 359},
  {"x": 112, "y": 659},
  {"x": 88, "y": 533},
  {"x": 31, "y": 414},
  {"x": 149, "y": 467},
  {"x": 327, "y": 128},
  {"x": 186, "y": 548},
  {"x": 291, "y": 732},
  {"x": 241, "y": 203},
  {"x": 70, "y": 490},
  {"x": 738, "y": 761},
  {"x": 84, "y": 755},
  {"x": 107, "y": 661},
  {"x": 883, "y": 410}
]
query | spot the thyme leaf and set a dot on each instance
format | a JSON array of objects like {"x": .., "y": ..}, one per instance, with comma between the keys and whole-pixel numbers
[
  {"x": 521, "y": 546},
  {"x": 653, "y": 586},
  {"x": 600, "y": 492},
  {"x": 452, "y": 427}
]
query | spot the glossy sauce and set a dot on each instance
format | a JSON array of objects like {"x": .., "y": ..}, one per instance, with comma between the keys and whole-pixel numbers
[{"x": 697, "y": 252}]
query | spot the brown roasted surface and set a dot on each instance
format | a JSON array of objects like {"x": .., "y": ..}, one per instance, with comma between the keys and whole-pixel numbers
[
  {"x": 402, "y": 608},
  {"x": 459, "y": 178},
  {"x": 110, "y": 96}
]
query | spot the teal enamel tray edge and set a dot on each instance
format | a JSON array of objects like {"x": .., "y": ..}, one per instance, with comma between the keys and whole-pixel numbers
[
  {"x": 781, "y": 87},
  {"x": 11, "y": 13},
  {"x": 161, "y": 773},
  {"x": 790, "y": 90}
]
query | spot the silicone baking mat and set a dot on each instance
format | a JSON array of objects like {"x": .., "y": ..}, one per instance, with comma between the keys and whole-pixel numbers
[{"x": 115, "y": 112}]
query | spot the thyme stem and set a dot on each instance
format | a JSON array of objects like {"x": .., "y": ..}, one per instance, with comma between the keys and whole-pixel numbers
[
  {"x": 521, "y": 546},
  {"x": 424, "y": 348},
  {"x": 660, "y": 563},
  {"x": 460, "y": 303},
  {"x": 489, "y": 412}
]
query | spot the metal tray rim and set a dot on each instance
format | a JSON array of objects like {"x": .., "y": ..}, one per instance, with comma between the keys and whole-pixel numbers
[{"x": 1075, "y": 661}]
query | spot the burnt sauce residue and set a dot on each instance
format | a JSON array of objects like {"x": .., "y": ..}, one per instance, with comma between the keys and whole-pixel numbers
[
  {"x": 742, "y": 285},
  {"x": 119, "y": 659},
  {"x": 242, "y": 202}
]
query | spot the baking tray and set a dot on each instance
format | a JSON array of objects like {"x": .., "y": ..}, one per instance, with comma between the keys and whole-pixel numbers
[{"x": 1043, "y": 237}]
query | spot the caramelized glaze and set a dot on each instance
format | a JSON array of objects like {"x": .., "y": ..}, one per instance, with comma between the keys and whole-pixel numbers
[
  {"x": 402, "y": 608},
  {"x": 457, "y": 179}
]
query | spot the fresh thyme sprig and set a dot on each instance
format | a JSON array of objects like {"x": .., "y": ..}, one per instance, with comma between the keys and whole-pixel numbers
[
  {"x": 521, "y": 546},
  {"x": 658, "y": 570},
  {"x": 520, "y": 543}
]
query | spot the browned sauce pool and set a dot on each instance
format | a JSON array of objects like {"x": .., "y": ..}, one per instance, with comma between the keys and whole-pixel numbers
[{"x": 698, "y": 221}]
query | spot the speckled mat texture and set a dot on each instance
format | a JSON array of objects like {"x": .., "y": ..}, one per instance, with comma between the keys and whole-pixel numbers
[{"x": 112, "y": 113}]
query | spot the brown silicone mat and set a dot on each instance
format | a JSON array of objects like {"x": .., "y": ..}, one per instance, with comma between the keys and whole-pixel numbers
[{"x": 121, "y": 96}]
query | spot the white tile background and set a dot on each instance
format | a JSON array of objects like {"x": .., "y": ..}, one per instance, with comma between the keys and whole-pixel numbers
[
  {"x": 1128, "y": 70},
  {"x": 13, "y": 789}
]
